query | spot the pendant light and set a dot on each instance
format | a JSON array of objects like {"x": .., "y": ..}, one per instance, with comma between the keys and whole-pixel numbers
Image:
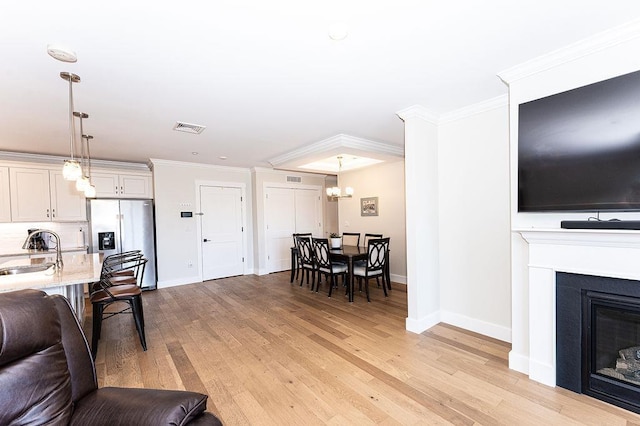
[
  {"x": 71, "y": 169},
  {"x": 83, "y": 181},
  {"x": 90, "y": 190},
  {"x": 335, "y": 192}
]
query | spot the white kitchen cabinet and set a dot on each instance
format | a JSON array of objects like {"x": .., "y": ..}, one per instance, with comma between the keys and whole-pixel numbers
[
  {"x": 118, "y": 185},
  {"x": 67, "y": 203},
  {"x": 30, "y": 199},
  {"x": 5, "y": 201},
  {"x": 39, "y": 195}
]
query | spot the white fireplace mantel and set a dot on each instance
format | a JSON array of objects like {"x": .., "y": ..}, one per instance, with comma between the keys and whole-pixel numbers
[{"x": 607, "y": 253}]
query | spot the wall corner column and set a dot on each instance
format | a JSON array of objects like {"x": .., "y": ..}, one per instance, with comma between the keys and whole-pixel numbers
[{"x": 422, "y": 221}]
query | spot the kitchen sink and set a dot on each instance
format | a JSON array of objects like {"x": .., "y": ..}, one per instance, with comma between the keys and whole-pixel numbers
[{"x": 24, "y": 269}]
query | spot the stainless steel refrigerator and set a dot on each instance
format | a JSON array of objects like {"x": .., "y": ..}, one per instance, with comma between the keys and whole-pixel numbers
[{"x": 117, "y": 226}]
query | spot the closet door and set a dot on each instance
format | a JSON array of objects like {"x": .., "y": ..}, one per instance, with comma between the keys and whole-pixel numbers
[
  {"x": 280, "y": 221},
  {"x": 308, "y": 211}
]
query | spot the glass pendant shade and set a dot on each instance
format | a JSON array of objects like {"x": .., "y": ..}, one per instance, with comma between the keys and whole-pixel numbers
[
  {"x": 82, "y": 183},
  {"x": 71, "y": 170},
  {"x": 90, "y": 191},
  {"x": 334, "y": 191}
]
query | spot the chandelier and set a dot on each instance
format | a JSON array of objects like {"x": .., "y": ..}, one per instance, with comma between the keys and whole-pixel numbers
[{"x": 335, "y": 192}]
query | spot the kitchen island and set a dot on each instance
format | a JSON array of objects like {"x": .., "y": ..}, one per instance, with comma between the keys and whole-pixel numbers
[{"x": 78, "y": 270}]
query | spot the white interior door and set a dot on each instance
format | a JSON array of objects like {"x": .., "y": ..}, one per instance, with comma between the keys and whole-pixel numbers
[
  {"x": 289, "y": 211},
  {"x": 280, "y": 215},
  {"x": 222, "y": 232},
  {"x": 308, "y": 211}
]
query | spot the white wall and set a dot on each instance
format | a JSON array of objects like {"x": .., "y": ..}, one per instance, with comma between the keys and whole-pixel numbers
[
  {"x": 175, "y": 189},
  {"x": 475, "y": 287},
  {"x": 601, "y": 57},
  {"x": 385, "y": 181},
  {"x": 331, "y": 224}
]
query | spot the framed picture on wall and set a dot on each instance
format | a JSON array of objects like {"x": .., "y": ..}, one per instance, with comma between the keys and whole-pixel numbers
[{"x": 369, "y": 206}]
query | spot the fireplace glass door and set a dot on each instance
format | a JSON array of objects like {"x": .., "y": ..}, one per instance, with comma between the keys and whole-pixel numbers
[{"x": 611, "y": 364}]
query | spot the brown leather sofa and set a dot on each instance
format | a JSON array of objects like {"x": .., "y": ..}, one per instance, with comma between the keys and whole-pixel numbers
[{"x": 47, "y": 374}]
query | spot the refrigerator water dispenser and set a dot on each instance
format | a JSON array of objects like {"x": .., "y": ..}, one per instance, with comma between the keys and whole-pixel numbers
[{"x": 106, "y": 240}]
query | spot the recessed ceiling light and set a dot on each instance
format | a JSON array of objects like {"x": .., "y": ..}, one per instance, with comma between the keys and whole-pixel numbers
[
  {"x": 223, "y": 157},
  {"x": 61, "y": 53},
  {"x": 338, "y": 31},
  {"x": 194, "y": 153}
]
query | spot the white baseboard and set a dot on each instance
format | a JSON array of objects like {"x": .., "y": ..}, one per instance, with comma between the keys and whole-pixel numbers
[
  {"x": 179, "y": 281},
  {"x": 477, "y": 326},
  {"x": 519, "y": 362},
  {"x": 402, "y": 279},
  {"x": 422, "y": 324},
  {"x": 543, "y": 373}
]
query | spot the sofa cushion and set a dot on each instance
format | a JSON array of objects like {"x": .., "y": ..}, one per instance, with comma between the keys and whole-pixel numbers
[
  {"x": 138, "y": 407},
  {"x": 34, "y": 378}
]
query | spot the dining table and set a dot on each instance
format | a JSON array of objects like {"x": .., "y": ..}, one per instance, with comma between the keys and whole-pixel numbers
[{"x": 350, "y": 255}]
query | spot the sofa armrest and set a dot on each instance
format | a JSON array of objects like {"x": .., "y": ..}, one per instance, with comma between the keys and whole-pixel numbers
[{"x": 134, "y": 406}]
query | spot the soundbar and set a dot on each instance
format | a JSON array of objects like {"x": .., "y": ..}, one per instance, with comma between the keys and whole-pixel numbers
[{"x": 600, "y": 224}]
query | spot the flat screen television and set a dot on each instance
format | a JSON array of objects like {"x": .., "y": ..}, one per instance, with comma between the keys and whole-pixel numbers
[{"x": 580, "y": 150}]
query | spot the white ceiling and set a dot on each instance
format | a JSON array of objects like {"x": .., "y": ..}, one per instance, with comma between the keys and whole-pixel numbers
[{"x": 263, "y": 76}]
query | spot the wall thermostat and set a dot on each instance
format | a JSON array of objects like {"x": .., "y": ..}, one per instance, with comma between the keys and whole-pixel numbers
[{"x": 186, "y": 214}]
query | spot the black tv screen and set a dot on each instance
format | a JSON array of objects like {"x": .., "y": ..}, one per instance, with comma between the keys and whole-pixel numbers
[{"x": 580, "y": 150}]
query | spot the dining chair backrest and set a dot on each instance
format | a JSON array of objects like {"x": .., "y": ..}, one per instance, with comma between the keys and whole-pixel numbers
[
  {"x": 367, "y": 237},
  {"x": 321, "y": 252},
  {"x": 305, "y": 251},
  {"x": 300, "y": 234},
  {"x": 351, "y": 238},
  {"x": 377, "y": 249}
]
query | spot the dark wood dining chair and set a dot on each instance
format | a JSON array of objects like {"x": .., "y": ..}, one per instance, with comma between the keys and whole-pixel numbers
[
  {"x": 375, "y": 265},
  {"x": 351, "y": 238},
  {"x": 324, "y": 264},
  {"x": 367, "y": 237},
  {"x": 298, "y": 265},
  {"x": 306, "y": 260}
]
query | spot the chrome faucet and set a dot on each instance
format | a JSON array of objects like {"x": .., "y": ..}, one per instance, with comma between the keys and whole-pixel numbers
[{"x": 59, "y": 263}]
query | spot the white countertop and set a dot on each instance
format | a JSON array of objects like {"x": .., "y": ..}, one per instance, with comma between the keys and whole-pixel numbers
[
  {"x": 77, "y": 269},
  {"x": 33, "y": 252}
]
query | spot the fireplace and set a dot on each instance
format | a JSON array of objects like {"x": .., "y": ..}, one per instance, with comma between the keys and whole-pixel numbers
[{"x": 598, "y": 338}]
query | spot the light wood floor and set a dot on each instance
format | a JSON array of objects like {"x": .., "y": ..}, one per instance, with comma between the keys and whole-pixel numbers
[{"x": 271, "y": 353}]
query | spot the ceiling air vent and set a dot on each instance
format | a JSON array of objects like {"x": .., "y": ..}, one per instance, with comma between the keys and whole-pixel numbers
[
  {"x": 296, "y": 179},
  {"x": 189, "y": 128}
]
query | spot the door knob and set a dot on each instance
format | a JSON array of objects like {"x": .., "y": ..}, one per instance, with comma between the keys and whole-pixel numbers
[{"x": 205, "y": 240}]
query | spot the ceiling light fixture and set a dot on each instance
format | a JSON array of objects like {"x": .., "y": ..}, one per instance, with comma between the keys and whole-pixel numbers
[
  {"x": 83, "y": 181},
  {"x": 71, "y": 169},
  {"x": 90, "y": 190},
  {"x": 335, "y": 192},
  {"x": 338, "y": 31},
  {"x": 61, "y": 53}
]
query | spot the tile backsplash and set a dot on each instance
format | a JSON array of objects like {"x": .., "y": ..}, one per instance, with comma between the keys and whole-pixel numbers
[{"x": 72, "y": 234}]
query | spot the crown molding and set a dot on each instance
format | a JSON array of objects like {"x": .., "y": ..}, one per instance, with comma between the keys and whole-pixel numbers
[
  {"x": 417, "y": 111},
  {"x": 55, "y": 159},
  {"x": 471, "y": 110},
  {"x": 255, "y": 170},
  {"x": 158, "y": 161},
  {"x": 572, "y": 52},
  {"x": 338, "y": 141}
]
